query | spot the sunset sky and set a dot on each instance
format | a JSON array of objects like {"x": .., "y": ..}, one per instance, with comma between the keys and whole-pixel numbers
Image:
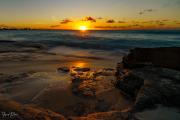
[{"x": 94, "y": 14}]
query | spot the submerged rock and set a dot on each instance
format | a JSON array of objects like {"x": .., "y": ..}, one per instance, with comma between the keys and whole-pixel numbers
[
  {"x": 83, "y": 87},
  {"x": 109, "y": 69},
  {"x": 87, "y": 88},
  {"x": 90, "y": 83},
  {"x": 13, "y": 78},
  {"x": 104, "y": 72},
  {"x": 63, "y": 69},
  {"x": 78, "y": 69}
]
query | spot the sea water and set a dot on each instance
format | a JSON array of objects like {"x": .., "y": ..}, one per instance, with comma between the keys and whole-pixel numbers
[{"x": 95, "y": 43}]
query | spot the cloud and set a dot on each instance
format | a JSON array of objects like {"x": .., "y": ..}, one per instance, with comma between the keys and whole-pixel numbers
[
  {"x": 110, "y": 21},
  {"x": 3, "y": 26},
  {"x": 54, "y": 26},
  {"x": 165, "y": 20},
  {"x": 89, "y": 18},
  {"x": 66, "y": 21},
  {"x": 147, "y": 22},
  {"x": 111, "y": 27},
  {"x": 161, "y": 24},
  {"x": 176, "y": 22},
  {"x": 156, "y": 22},
  {"x": 100, "y": 18},
  {"x": 146, "y": 11},
  {"x": 121, "y": 22},
  {"x": 136, "y": 25},
  {"x": 120, "y": 27}
]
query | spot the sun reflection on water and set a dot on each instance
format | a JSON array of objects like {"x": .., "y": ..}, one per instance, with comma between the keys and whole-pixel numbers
[
  {"x": 80, "y": 64},
  {"x": 81, "y": 70}
]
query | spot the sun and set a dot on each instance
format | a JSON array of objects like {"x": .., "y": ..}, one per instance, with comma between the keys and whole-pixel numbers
[{"x": 83, "y": 28}]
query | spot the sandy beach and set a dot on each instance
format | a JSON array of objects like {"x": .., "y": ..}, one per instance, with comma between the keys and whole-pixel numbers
[
  {"x": 43, "y": 79},
  {"x": 29, "y": 75}
]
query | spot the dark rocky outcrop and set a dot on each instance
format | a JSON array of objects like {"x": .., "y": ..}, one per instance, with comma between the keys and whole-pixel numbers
[
  {"x": 163, "y": 57},
  {"x": 130, "y": 84},
  {"x": 158, "y": 88},
  {"x": 151, "y": 77}
]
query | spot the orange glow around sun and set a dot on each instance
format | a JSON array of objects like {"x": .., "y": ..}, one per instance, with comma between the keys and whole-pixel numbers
[{"x": 83, "y": 28}]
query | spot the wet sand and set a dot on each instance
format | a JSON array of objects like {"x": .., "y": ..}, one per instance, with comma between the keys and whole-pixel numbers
[{"x": 32, "y": 78}]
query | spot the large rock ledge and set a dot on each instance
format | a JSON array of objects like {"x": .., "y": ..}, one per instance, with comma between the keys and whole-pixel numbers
[
  {"x": 150, "y": 76},
  {"x": 162, "y": 57}
]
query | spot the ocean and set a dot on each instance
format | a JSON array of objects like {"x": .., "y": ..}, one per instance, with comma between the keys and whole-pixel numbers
[{"x": 95, "y": 43}]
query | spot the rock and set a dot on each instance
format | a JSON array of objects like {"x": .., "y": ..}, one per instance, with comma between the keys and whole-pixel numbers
[
  {"x": 147, "y": 98},
  {"x": 150, "y": 86},
  {"x": 130, "y": 84},
  {"x": 83, "y": 87},
  {"x": 87, "y": 88},
  {"x": 102, "y": 106},
  {"x": 151, "y": 77},
  {"x": 63, "y": 69},
  {"x": 160, "y": 113},
  {"x": 109, "y": 69},
  {"x": 78, "y": 69},
  {"x": 104, "y": 72},
  {"x": 90, "y": 83},
  {"x": 111, "y": 115},
  {"x": 158, "y": 88},
  {"x": 119, "y": 70},
  {"x": 162, "y": 57},
  {"x": 13, "y": 78}
]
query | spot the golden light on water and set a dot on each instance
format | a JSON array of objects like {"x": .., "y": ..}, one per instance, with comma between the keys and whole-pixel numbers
[
  {"x": 80, "y": 64},
  {"x": 77, "y": 64}
]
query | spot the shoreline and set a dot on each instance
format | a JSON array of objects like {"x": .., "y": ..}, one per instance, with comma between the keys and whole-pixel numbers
[
  {"x": 32, "y": 77},
  {"x": 75, "y": 87}
]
